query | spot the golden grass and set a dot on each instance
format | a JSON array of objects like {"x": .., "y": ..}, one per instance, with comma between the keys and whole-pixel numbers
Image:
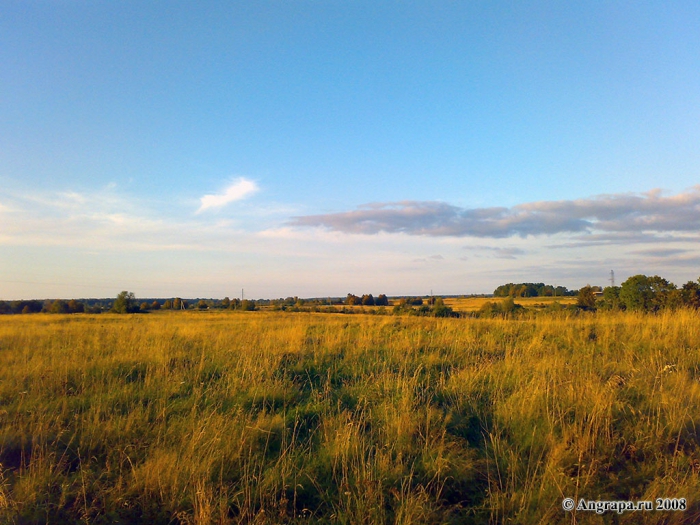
[
  {"x": 263, "y": 417},
  {"x": 473, "y": 304}
]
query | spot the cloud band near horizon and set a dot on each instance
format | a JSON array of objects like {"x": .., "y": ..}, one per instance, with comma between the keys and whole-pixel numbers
[{"x": 616, "y": 213}]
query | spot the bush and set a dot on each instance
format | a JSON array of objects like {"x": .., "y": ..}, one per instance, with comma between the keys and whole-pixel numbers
[
  {"x": 439, "y": 308},
  {"x": 504, "y": 308},
  {"x": 247, "y": 306},
  {"x": 586, "y": 298}
]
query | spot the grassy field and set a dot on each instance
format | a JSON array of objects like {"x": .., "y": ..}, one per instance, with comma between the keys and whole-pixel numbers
[
  {"x": 263, "y": 417},
  {"x": 473, "y": 304}
]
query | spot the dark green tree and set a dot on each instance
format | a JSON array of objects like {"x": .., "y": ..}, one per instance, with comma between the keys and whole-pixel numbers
[
  {"x": 636, "y": 293},
  {"x": 665, "y": 294},
  {"x": 440, "y": 309},
  {"x": 649, "y": 294},
  {"x": 75, "y": 307},
  {"x": 367, "y": 300},
  {"x": 247, "y": 305},
  {"x": 586, "y": 298},
  {"x": 59, "y": 306},
  {"x": 125, "y": 303},
  {"x": 690, "y": 293},
  {"x": 611, "y": 298}
]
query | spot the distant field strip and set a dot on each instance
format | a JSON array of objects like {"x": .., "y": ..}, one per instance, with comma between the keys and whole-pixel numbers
[
  {"x": 279, "y": 418},
  {"x": 473, "y": 304}
]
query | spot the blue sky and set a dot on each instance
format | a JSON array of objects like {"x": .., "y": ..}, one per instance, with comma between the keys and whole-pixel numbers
[{"x": 320, "y": 148}]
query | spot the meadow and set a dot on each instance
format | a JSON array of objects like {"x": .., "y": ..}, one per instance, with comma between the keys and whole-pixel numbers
[
  {"x": 278, "y": 417},
  {"x": 474, "y": 304}
]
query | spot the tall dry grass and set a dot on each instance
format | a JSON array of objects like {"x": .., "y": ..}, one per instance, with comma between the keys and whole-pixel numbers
[{"x": 199, "y": 417}]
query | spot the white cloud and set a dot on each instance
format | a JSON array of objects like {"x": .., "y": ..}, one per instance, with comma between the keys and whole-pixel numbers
[
  {"x": 620, "y": 214},
  {"x": 276, "y": 259},
  {"x": 239, "y": 190}
]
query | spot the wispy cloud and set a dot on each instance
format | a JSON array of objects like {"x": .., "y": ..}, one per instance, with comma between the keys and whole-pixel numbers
[
  {"x": 110, "y": 219},
  {"x": 617, "y": 213},
  {"x": 661, "y": 252},
  {"x": 239, "y": 190},
  {"x": 496, "y": 252}
]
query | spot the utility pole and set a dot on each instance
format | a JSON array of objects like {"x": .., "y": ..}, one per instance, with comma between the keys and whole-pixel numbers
[
  {"x": 612, "y": 278},
  {"x": 242, "y": 295}
]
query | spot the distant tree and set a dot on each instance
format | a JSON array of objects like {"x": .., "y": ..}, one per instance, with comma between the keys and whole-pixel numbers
[
  {"x": 690, "y": 294},
  {"x": 352, "y": 300},
  {"x": 367, "y": 300},
  {"x": 31, "y": 307},
  {"x": 381, "y": 300},
  {"x": 664, "y": 293},
  {"x": 504, "y": 290},
  {"x": 177, "y": 303},
  {"x": 155, "y": 305},
  {"x": 586, "y": 298},
  {"x": 636, "y": 293},
  {"x": 225, "y": 302},
  {"x": 144, "y": 307},
  {"x": 247, "y": 305},
  {"x": 168, "y": 305},
  {"x": 530, "y": 290},
  {"x": 561, "y": 291},
  {"x": 125, "y": 303},
  {"x": 642, "y": 293},
  {"x": 202, "y": 305},
  {"x": 59, "y": 306},
  {"x": 75, "y": 307},
  {"x": 611, "y": 298},
  {"x": 407, "y": 302}
]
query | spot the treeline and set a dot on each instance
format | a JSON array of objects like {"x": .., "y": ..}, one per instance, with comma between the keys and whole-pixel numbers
[
  {"x": 532, "y": 290},
  {"x": 206, "y": 304},
  {"x": 642, "y": 293},
  {"x": 367, "y": 300},
  {"x": 51, "y": 306},
  {"x": 125, "y": 302},
  {"x": 639, "y": 293}
]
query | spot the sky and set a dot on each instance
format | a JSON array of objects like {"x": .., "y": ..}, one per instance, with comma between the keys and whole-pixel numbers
[{"x": 319, "y": 148}]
